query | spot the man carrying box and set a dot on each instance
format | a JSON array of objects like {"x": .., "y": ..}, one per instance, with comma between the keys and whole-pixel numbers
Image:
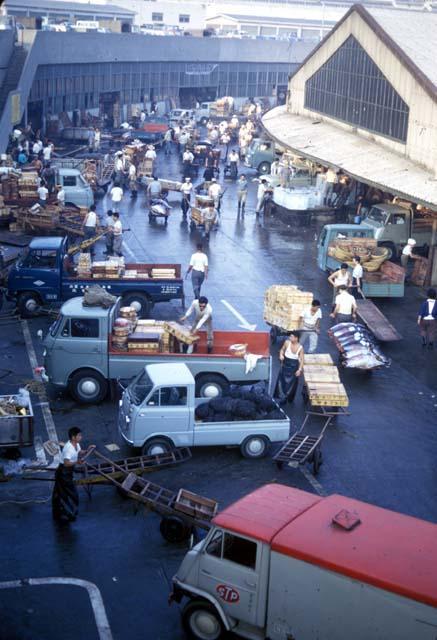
[{"x": 202, "y": 316}]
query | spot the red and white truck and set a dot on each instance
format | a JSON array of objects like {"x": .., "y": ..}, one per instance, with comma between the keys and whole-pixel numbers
[{"x": 284, "y": 564}]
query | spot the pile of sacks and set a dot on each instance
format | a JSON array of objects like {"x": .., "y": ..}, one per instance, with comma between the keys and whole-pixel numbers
[{"x": 241, "y": 403}]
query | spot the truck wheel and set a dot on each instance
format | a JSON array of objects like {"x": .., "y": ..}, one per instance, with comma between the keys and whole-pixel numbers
[
  {"x": 155, "y": 446},
  {"x": 211, "y": 385},
  {"x": 264, "y": 168},
  {"x": 392, "y": 252},
  {"x": 201, "y": 621},
  {"x": 140, "y": 302},
  {"x": 255, "y": 447},
  {"x": 28, "y": 304},
  {"x": 174, "y": 529},
  {"x": 88, "y": 386}
]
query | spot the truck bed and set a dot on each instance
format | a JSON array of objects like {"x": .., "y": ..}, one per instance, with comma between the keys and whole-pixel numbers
[{"x": 136, "y": 266}]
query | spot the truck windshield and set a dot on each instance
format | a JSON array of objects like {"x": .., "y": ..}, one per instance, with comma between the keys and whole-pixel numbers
[
  {"x": 140, "y": 388},
  {"x": 377, "y": 215}
]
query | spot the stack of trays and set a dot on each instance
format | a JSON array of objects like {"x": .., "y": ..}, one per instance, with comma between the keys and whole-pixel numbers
[
  {"x": 284, "y": 306},
  {"x": 163, "y": 274},
  {"x": 84, "y": 265},
  {"x": 180, "y": 332},
  {"x": 129, "y": 313},
  {"x": 144, "y": 341}
]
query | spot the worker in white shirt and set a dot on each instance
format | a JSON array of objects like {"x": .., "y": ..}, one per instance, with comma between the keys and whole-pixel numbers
[
  {"x": 209, "y": 217},
  {"x": 184, "y": 137},
  {"x": 60, "y": 197},
  {"x": 116, "y": 197},
  {"x": 202, "y": 311},
  {"x": 339, "y": 278},
  {"x": 198, "y": 268},
  {"x": 186, "y": 189},
  {"x": 233, "y": 163},
  {"x": 117, "y": 234},
  {"x": 167, "y": 142},
  {"x": 90, "y": 225},
  {"x": 310, "y": 325},
  {"x": 213, "y": 135},
  {"x": 47, "y": 151},
  {"x": 43, "y": 194},
  {"x": 262, "y": 188},
  {"x": 214, "y": 192},
  {"x": 357, "y": 277},
  {"x": 331, "y": 181},
  {"x": 97, "y": 139},
  {"x": 345, "y": 309},
  {"x": 187, "y": 162},
  {"x": 407, "y": 252},
  {"x": 118, "y": 169},
  {"x": 132, "y": 174},
  {"x": 151, "y": 153},
  {"x": 154, "y": 189}
]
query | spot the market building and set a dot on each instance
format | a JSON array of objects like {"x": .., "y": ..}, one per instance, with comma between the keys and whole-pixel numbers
[
  {"x": 114, "y": 73},
  {"x": 365, "y": 102}
]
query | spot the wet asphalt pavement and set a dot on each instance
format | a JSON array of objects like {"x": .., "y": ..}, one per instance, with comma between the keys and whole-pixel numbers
[{"x": 384, "y": 452}]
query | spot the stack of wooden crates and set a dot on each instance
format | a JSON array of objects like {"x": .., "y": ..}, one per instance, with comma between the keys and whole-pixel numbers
[
  {"x": 322, "y": 381},
  {"x": 284, "y": 306}
]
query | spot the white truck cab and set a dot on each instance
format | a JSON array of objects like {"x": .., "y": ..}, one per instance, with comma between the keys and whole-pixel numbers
[{"x": 284, "y": 564}]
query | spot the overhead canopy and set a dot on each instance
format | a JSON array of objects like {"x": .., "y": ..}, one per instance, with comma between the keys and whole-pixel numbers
[{"x": 362, "y": 159}]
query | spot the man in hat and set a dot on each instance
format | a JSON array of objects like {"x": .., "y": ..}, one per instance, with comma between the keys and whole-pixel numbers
[
  {"x": 407, "y": 253},
  {"x": 186, "y": 189}
]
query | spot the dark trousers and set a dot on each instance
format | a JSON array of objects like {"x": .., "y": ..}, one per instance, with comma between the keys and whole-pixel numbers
[{"x": 197, "y": 278}]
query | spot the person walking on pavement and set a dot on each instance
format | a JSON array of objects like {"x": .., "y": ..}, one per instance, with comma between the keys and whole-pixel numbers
[
  {"x": 186, "y": 189},
  {"x": 117, "y": 234},
  {"x": 90, "y": 224},
  {"x": 198, "y": 268},
  {"x": 214, "y": 192},
  {"x": 202, "y": 311},
  {"x": 154, "y": 189},
  {"x": 291, "y": 357},
  {"x": 187, "y": 162},
  {"x": 242, "y": 187},
  {"x": 310, "y": 325},
  {"x": 357, "y": 277},
  {"x": 167, "y": 142},
  {"x": 133, "y": 180},
  {"x": 233, "y": 163},
  {"x": 427, "y": 319},
  {"x": 345, "y": 309},
  {"x": 116, "y": 197},
  {"x": 65, "y": 497},
  {"x": 339, "y": 278}
]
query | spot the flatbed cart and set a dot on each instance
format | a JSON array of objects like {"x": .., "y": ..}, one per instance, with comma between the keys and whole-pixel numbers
[
  {"x": 181, "y": 512},
  {"x": 304, "y": 447}
]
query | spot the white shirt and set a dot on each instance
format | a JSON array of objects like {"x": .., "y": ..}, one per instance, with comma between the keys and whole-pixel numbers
[
  {"x": 309, "y": 319},
  {"x": 118, "y": 228},
  {"x": 116, "y": 194},
  {"x": 331, "y": 176},
  {"x": 91, "y": 219},
  {"x": 47, "y": 152},
  {"x": 119, "y": 164},
  {"x": 36, "y": 148},
  {"x": 150, "y": 154},
  {"x": 357, "y": 271},
  {"x": 97, "y": 137},
  {"x": 70, "y": 453},
  {"x": 186, "y": 188},
  {"x": 132, "y": 172},
  {"x": 61, "y": 196},
  {"x": 341, "y": 278},
  {"x": 199, "y": 261},
  {"x": 201, "y": 316},
  {"x": 261, "y": 190},
  {"x": 184, "y": 137},
  {"x": 214, "y": 190},
  {"x": 167, "y": 136},
  {"x": 431, "y": 304},
  {"x": 187, "y": 156},
  {"x": 42, "y": 193},
  {"x": 407, "y": 250},
  {"x": 346, "y": 303},
  {"x": 233, "y": 156}
]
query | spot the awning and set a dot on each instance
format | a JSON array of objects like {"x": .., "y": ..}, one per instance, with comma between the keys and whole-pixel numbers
[{"x": 362, "y": 159}]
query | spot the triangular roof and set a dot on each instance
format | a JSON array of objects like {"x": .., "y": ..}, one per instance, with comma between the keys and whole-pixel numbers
[{"x": 411, "y": 36}]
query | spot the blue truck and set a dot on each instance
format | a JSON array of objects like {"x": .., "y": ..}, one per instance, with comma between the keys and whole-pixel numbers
[
  {"x": 387, "y": 282},
  {"x": 46, "y": 275}
]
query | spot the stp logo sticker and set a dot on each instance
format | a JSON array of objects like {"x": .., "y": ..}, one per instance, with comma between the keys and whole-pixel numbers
[{"x": 228, "y": 594}]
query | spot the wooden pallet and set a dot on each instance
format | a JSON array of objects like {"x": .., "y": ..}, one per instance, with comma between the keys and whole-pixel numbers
[
  {"x": 318, "y": 359},
  {"x": 320, "y": 373},
  {"x": 327, "y": 394}
]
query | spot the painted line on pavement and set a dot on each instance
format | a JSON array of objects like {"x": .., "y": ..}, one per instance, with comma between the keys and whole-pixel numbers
[
  {"x": 96, "y": 600},
  {"x": 313, "y": 482},
  {"x": 244, "y": 323},
  {"x": 45, "y": 408}
]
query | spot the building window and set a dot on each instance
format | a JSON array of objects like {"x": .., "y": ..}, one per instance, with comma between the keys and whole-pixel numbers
[
  {"x": 184, "y": 17},
  {"x": 351, "y": 88},
  {"x": 157, "y": 17}
]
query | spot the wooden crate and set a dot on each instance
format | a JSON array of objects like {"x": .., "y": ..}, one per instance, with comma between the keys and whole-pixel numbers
[
  {"x": 195, "y": 506},
  {"x": 318, "y": 358},
  {"x": 320, "y": 373},
  {"x": 180, "y": 332},
  {"x": 327, "y": 394}
]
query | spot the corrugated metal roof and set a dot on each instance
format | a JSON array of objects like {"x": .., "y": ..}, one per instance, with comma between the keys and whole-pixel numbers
[
  {"x": 362, "y": 159},
  {"x": 55, "y": 5},
  {"x": 415, "y": 32}
]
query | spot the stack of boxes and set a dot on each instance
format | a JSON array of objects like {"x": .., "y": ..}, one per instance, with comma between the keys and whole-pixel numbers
[
  {"x": 146, "y": 336},
  {"x": 28, "y": 185},
  {"x": 180, "y": 332},
  {"x": 284, "y": 306},
  {"x": 164, "y": 273},
  {"x": 84, "y": 265},
  {"x": 108, "y": 269}
]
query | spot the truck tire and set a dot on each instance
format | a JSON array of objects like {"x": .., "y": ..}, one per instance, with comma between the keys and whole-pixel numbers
[
  {"x": 264, "y": 168},
  {"x": 140, "y": 301},
  {"x": 28, "y": 304},
  {"x": 391, "y": 248},
  {"x": 174, "y": 529},
  {"x": 155, "y": 446},
  {"x": 211, "y": 385},
  {"x": 88, "y": 386},
  {"x": 255, "y": 447},
  {"x": 201, "y": 621}
]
